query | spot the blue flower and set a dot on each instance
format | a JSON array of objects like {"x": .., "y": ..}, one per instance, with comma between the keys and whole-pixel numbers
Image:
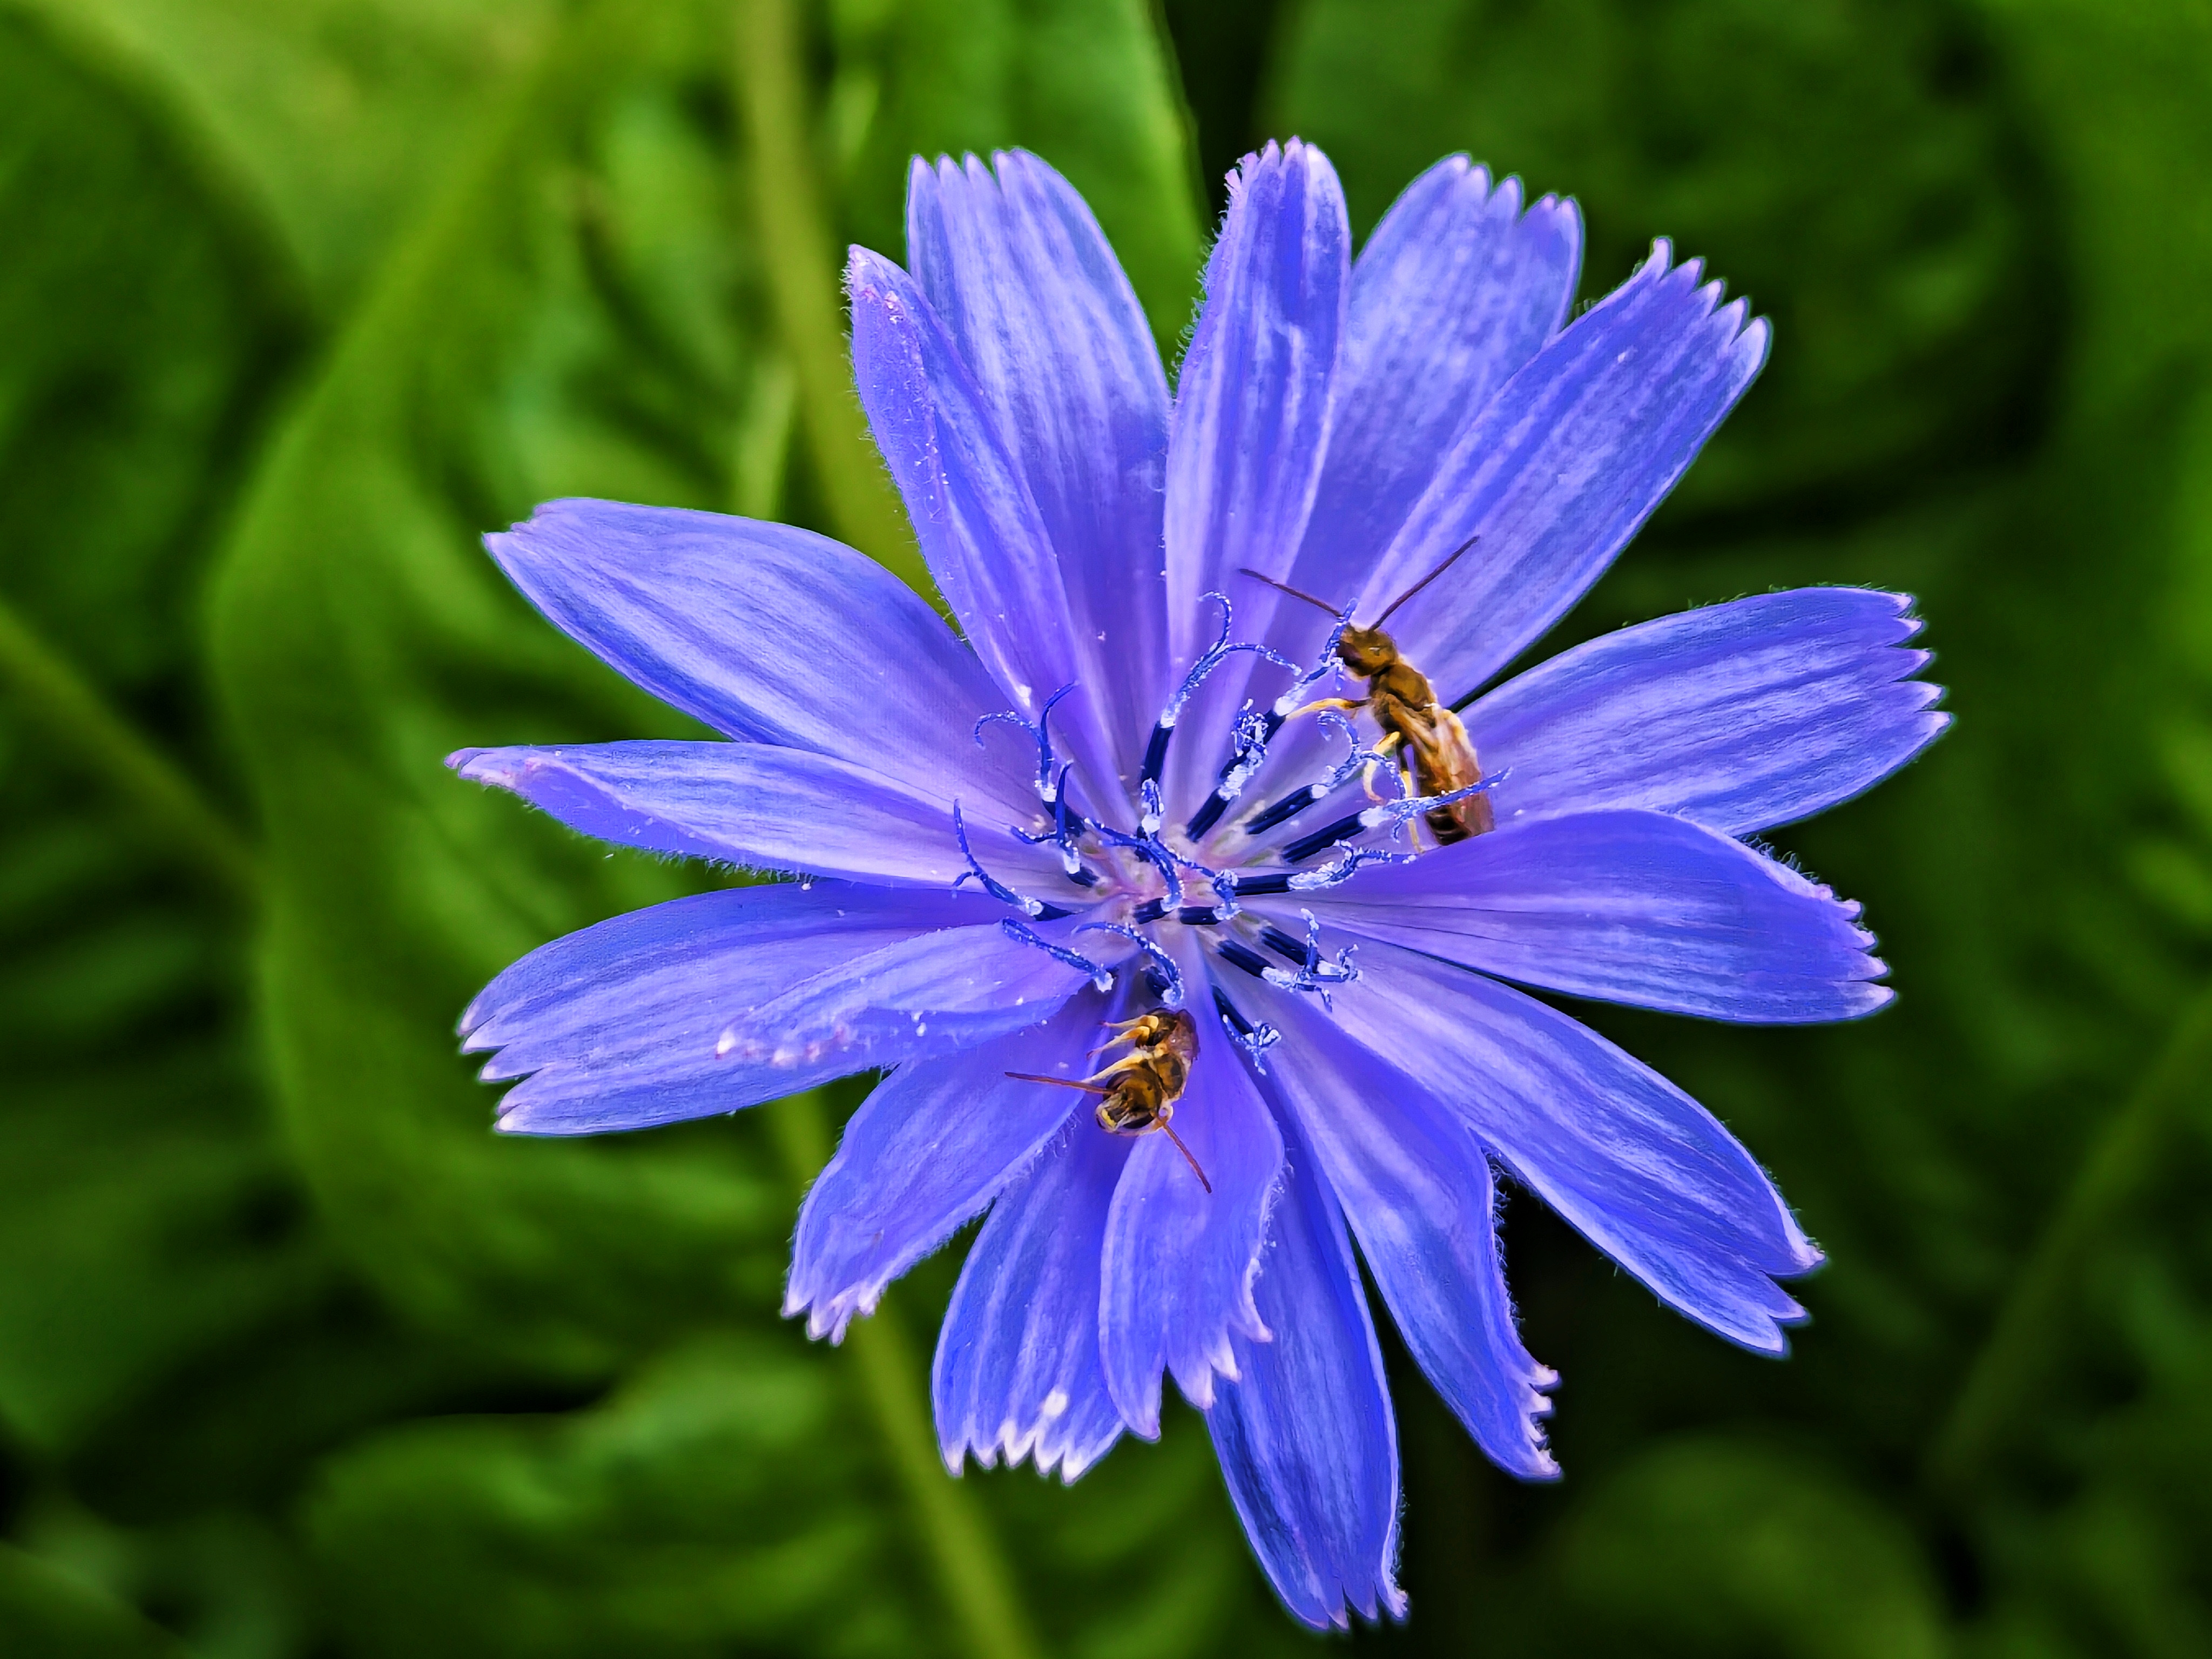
[{"x": 1172, "y": 766}]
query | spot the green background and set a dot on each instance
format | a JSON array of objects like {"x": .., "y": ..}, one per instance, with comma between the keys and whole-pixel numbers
[{"x": 297, "y": 297}]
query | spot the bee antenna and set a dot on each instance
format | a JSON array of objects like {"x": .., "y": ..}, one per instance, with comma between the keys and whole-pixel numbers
[
  {"x": 1168, "y": 1129},
  {"x": 1322, "y": 604},
  {"x": 1426, "y": 580},
  {"x": 1066, "y": 1083}
]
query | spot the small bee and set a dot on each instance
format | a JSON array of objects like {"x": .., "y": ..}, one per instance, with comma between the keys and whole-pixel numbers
[
  {"x": 1142, "y": 1087},
  {"x": 1429, "y": 739}
]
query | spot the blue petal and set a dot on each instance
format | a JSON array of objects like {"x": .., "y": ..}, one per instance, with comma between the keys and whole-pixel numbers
[
  {"x": 1417, "y": 1185},
  {"x": 1180, "y": 1260},
  {"x": 970, "y": 505},
  {"x": 1628, "y": 907},
  {"x": 1562, "y": 467},
  {"x": 770, "y": 634},
  {"x": 928, "y": 1150},
  {"x": 708, "y": 1004},
  {"x": 1305, "y": 1437},
  {"x": 1453, "y": 292},
  {"x": 765, "y": 808},
  {"x": 935, "y": 994},
  {"x": 1251, "y": 418},
  {"x": 1018, "y": 1372},
  {"x": 1743, "y": 716},
  {"x": 1645, "y": 1173},
  {"x": 1045, "y": 320}
]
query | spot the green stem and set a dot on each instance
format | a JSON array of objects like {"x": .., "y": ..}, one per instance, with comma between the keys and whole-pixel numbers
[
  {"x": 2018, "y": 1354},
  {"x": 977, "y": 1585},
  {"x": 170, "y": 810},
  {"x": 794, "y": 240}
]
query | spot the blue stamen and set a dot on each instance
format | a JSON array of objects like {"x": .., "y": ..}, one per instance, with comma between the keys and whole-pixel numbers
[
  {"x": 1335, "y": 875},
  {"x": 1298, "y": 800},
  {"x": 1166, "y": 977},
  {"x": 1148, "y": 802},
  {"x": 1254, "y": 1040},
  {"x": 1149, "y": 850},
  {"x": 1155, "y": 751},
  {"x": 1102, "y": 979},
  {"x": 1317, "y": 973},
  {"x": 1046, "y": 787},
  {"x": 1285, "y": 810},
  {"x": 1035, "y": 910},
  {"x": 1324, "y": 665},
  {"x": 1255, "y": 731},
  {"x": 1390, "y": 812},
  {"x": 1261, "y": 886},
  {"x": 1321, "y": 840},
  {"x": 1149, "y": 910},
  {"x": 1237, "y": 954},
  {"x": 1067, "y": 825}
]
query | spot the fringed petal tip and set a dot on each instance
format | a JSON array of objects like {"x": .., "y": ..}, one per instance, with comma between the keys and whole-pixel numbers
[
  {"x": 1333, "y": 1607},
  {"x": 1749, "y": 338},
  {"x": 1047, "y": 1445}
]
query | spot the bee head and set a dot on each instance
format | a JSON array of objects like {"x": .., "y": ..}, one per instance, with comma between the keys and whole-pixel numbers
[{"x": 1366, "y": 652}]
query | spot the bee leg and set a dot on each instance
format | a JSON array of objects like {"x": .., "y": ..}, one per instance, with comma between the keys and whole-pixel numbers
[
  {"x": 1410, "y": 782},
  {"x": 1348, "y": 704},
  {"x": 1367, "y": 778}
]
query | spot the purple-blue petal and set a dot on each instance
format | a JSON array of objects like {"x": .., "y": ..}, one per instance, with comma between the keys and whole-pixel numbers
[
  {"x": 1455, "y": 290},
  {"x": 932, "y": 994},
  {"x": 1305, "y": 1434},
  {"x": 1180, "y": 1260},
  {"x": 1743, "y": 716},
  {"x": 979, "y": 528},
  {"x": 1642, "y": 1170},
  {"x": 1023, "y": 278},
  {"x": 1628, "y": 907},
  {"x": 1251, "y": 418},
  {"x": 769, "y": 634},
  {"x": 1018, "y": 1372},
  {"x": 617, "y": 1026},
  {"x": 928, "y": 1149},
  {"x": 1416, "y": 1185},
  {"x": 1562, "y": 467},
  {"x": 766, "y": 808}
]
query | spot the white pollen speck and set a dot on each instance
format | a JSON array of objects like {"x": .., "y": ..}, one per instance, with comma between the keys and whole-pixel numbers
[
  {"x": 729, "y": 1041},
  {"x": 1054, "y": 1404},
  {"x": 921, "y": 1028}
]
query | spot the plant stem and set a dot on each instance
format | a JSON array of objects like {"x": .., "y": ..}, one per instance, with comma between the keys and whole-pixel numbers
[
  {"x": 794, "y": 239},
  {"x": 794, "y": 236},
  {"x": 2018, "y": 1353},
  {"x": 976, "y": 1583},
  {"x": 172, "y": 812}
]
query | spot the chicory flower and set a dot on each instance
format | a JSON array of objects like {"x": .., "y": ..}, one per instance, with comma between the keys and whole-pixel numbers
[{"x": 1173, "y": 791}]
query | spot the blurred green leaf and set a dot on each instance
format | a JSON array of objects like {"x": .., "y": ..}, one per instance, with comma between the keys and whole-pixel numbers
[
  {"x": 333, "y": 116},
  {"x": 718, "y": 1502},
  {"x": 45, "y": 1613},
  {"x": 1717, "y": 1547},
  {"x": 146, "y": 1215},
  {"x": 572, "y": 318},
  {"x": 1848, "y": 164},
  {"x": 1082, "y": 83}
]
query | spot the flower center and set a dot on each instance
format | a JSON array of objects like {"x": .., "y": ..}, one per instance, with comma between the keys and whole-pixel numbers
[{"x": 1153, "y": 890}]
